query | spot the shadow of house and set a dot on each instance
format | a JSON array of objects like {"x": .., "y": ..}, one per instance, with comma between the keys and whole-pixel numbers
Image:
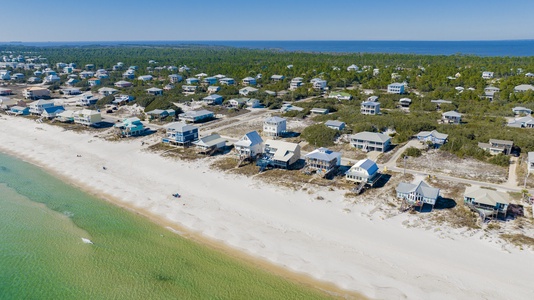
[
  {"x": 445, "y": 203},
  {"x": 382, "y": 181}
]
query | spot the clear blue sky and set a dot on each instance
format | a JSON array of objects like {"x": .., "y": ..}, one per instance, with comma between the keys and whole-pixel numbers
[{"x": 129, "y": 20}]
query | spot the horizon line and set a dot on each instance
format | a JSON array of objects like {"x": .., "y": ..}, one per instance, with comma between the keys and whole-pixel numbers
[{"x": 267, "y": 40}]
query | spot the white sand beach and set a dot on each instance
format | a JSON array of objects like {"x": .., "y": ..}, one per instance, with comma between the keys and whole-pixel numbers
[{"x": 356, "y": 250}]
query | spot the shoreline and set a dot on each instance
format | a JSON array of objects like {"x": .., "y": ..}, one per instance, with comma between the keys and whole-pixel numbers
[
  {"x": 356, "y": 250},
  {"x": 305, "y": 280}
]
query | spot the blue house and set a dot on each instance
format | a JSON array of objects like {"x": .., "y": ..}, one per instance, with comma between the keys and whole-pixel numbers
[
  {"x": 209, "y": 80},
  {"x": 436, "y": 138},
  {"x": 192, "y": 81},
  {"x": 180, "y": 134},
  {"x": 19, "y": 111},
  {"x": 130, "y": 127},
  {"x": 213, "y": 99}
]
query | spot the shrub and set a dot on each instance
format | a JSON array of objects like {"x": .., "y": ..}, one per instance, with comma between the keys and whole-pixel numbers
[{"x": 413, "y": 152}]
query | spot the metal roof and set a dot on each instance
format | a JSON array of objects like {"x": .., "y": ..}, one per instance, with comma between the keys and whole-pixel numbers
[
  {"x": 422, "y": 189},
  {"x": 323, "y": 154},
  {"x": 433, "y": 133},
  {"x": 486, "y": 196},
  {"x": 371, "y": 136},
  {"x": 180, "y": 127},
  {"x": 249, "y": 139}
]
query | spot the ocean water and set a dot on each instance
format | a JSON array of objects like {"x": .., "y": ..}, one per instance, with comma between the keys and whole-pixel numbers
[
  {"x": 478, "y": 48},
  {"x": 42, "y": 256}
]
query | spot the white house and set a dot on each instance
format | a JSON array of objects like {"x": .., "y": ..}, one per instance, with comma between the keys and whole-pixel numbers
[
  {"x": 36, "y": 93},
  {"x": 279, "y": 154},
  {"x": 337, "y": 125},
  {"x": 417, "y": 194},
  {"x": 519, "y": 110},
  {"x": 370, "y": 141},
  {"x": 364, "y": 170},
  {"x": 227, "y": 81},
  {"x": 340, "y": 95},
  {"x": 106, "y": 91},
  {"x": 37, "y": 107},
  {"x": 405, "y": 102},
  {"x": 145, "y": 77},
  {"x": 123, "y": 84},
  {"x": 523, "y": 88},
  {"x": 86, "y": 99},
  {"x": 487, "y": 75},
  {"x": 249, "y": 146},
  {"x": 452, "y": 117},
  {"x": 278, "y": 77},
  {"x": 318, "y": 84},
  {"x": 322, "y": 161},
  {"x": 352, "y": 68},
  {"x": 175, "y": 78},
  {"x": 295, "y": 83},
  {"x": 274, "y": 126},
  {"x": 247, "y": 90},
  {"x": 436, "y": 138},
  {"x": 370, "y": 108},
  {"x": 396, "y": 88}
]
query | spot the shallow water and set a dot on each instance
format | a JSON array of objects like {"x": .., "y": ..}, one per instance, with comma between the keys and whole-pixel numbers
[{"x": 42, "y": 255}]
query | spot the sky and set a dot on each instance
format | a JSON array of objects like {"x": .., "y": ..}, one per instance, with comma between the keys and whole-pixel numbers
[{"x": 178, "y": 20}]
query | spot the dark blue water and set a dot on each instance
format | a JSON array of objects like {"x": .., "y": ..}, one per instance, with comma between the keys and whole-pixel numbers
[{"x": 479, "y": 48}]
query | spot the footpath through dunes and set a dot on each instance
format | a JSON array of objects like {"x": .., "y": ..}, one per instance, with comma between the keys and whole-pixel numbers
[{"x": 378, "y": 257}]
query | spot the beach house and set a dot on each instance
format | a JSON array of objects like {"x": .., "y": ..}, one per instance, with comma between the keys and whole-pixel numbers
[
  {"x": 278, "y": 77},
  {"x": 145, "y": 78},
  {"x": 154, "y": 91},
  {"x": 66, "y": 116},
  {"x": 123, "y": 84},
  {"x": 451, "y": 117},
  {"x": 296, "y": 83},
  {"x": 487, "y": 202},
  {"x": 192, "y": 80},
  {"x": 197, "y": 116},
  {"x": 175, "y": 78},
  {"x": 52, "y": 112},
  {"x": 524, "y": 122},
  {"x": 19, "y": 110},
  {"x": 340, "y": 95},
  {"x": 247, "y": 90},
  {"x": 36, "y": 93},
  {"x": 106, "y": 91},
  {"x": 130, "y": 127},
  {"x": 495, "y": 147},
  {"x": 213, "y": 89},
  {"x": 396, "y": 88},
  {"x": 71, "y": 91},
  {"x": 437, "y": 139},
  {"x": 87, "y": 117},
  {"x": 319, "y": 111},
  {"x": 209, "y": 80},
  {"x": 519, "y": 111},
  {"x": 487, "y": 75},
  {"x": 160, "y": 114},
  {"x": 370, "y": 108},
  {"x": 279, "y": 154},
  {"x": 210, "y": 144},
  {"x": 249, "y": 146},
  {"x": 363, "y": 171},
  {"x": 318, "y": 84},
  {"x": 370, "y": 141},
  {"x": 227, "y": 81},
  {"x": 523, "y": 88},
  {"x": 417, "y": 194},
  {"x": 37, "y": 107},
  {"x": 405, "y": 102},
  {"x": 93, "y": 81},
  {"x": 237, "y": 102},
  {"x": 352, "y": 68},
  {"x": 322, "y": 161},
  {"x": 249, "y": 81},
  {"x": 86, "y": 100},
  {"x": 180, "y": 134},
  {"x": 189, "y": 89},
  {"x": 333, "y": 124},
  {"x": 253, "y": 103},
  {"x": 213, "y": 100},
  {"x": 274, "y": 126}
]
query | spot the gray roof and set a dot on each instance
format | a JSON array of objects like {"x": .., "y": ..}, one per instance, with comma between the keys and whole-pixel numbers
[
  {"x": 323, "y": 154},
  {"x": 422, "y": 188},
  {"x": 334, "y": 123},
  {"x": 524, "y": 87},
  {"x": 452, "y": 113},
  {"x": 212, "y": 97},
  {"x": 369, "y": 103},
  {"x": 371, "y": 136},
  {"x": 275, "y": 119},
  {"x": 196, "y": 113},
  {"x": 180, "y": 127},
  {"x": 210, "y": 140},
  {"x": 250, "y": 139},
  {"x": 486, "y": 196},
  {"x": 520, "y": 109},
  {"x": 441, "y": 101},
  {"x": 433, "y": 133},
  {"x": 520, "y": 122}
]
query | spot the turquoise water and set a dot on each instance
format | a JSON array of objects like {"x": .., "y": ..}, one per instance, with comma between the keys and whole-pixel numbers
[{"x": 42, "y": 256}]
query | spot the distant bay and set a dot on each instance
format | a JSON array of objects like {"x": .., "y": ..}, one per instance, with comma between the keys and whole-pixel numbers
[{"x": 478, "y": 48}]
